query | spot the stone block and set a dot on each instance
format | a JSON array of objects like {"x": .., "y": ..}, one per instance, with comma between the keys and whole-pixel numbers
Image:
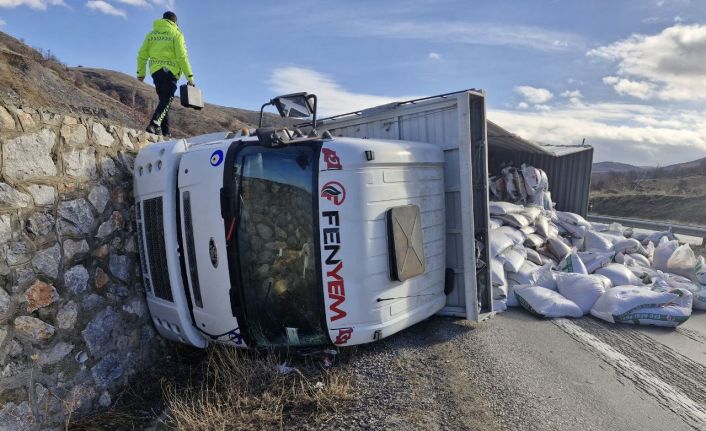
[
  {"x": 74, "y": 135},
  {"x": 101, "y": 279},
  {"x": 115, "y": 222},
  {"x": 76, "y": 279},
  {"x": 39, "y": 295},
  {"x": 73, "y": 248},
  {"x": 39, "y": 224},
  {"x": 76, "y": 217},
  {"x": 99, "y": 197},
  {"x": 80, "y": 163},
  {"x": 11, "y": 198},
  {"x": 67, "y": 316},
  {"x": 7, "y": 122},
  {"x": 47, "y": 261},
  {"x": 120, "y": 266},
  {"x": 29, "y": 155},
  {"x": 101, "y": 136},
  {"x": 33, "y": 329},
  {"x": 42, "y": 195},
  {"x": 98, "y": 335}
]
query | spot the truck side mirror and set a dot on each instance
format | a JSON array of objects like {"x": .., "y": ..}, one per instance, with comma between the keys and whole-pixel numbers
[{"x": 295, "y": 105}]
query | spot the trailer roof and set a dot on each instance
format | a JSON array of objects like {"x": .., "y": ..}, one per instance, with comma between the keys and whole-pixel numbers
[{"x": 498, "y": 137}]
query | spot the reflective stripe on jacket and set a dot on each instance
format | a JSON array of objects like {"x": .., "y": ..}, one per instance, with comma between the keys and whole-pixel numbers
[{"x": 164, "y": 46}]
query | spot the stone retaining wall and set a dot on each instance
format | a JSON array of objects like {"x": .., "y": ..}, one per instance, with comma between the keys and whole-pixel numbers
[{"x": 74, "y": 325}]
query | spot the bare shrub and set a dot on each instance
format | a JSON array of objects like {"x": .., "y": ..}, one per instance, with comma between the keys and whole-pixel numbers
[{"x": 244, "y": 390}]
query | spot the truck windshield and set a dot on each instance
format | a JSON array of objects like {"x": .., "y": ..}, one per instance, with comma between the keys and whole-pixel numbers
[{"x": 276, "y": 246}]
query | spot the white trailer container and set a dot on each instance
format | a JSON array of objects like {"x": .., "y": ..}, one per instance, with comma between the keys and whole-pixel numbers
[{"x": 457, "y": 123}]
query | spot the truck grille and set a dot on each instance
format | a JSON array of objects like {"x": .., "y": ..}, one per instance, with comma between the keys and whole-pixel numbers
[
  {"x": 156, "y": 250},
  {"x": 141, "y": 247},
  {"x": 191, "y": 250}
]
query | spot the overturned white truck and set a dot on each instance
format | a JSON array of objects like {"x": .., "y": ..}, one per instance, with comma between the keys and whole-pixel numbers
[{"x": 346, "y": 236}]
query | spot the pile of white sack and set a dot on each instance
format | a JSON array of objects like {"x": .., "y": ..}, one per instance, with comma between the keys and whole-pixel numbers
[{"x": 557, "y": 264}]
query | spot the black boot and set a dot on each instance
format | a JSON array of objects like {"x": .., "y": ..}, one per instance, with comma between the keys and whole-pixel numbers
[{"x": 154, "y": 129}]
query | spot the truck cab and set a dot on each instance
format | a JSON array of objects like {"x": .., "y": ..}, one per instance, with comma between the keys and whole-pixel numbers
[{"x": 280, "y": 239}]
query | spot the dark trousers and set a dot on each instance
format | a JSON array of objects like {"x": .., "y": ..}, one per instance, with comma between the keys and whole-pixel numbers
[{"x": 166, "y": 84}]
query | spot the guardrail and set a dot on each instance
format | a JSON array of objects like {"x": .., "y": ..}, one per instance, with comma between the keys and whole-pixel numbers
[{"x": 682, "y": 229}]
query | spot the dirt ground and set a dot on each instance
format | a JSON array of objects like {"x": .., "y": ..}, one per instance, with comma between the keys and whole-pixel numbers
[{"x": 679, "y": 200}]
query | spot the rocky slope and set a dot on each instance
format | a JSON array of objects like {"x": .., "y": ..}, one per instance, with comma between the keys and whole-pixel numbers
[{"x": 30, "y": 78}]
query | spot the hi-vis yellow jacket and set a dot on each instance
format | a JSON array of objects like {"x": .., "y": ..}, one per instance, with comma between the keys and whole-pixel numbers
[{"x": 164, "y": 46}]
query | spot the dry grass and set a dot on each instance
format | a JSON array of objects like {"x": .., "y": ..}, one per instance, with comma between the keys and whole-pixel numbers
[{"x": 243, "y": 390}]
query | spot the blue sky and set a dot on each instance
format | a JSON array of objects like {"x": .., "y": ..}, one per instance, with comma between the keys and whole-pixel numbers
[{"x": 629, "y": 76}]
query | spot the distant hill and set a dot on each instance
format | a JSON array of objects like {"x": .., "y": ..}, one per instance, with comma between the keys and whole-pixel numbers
[
  {"x": 37, "y": 79},
  {"x": 605, "y": 167}
]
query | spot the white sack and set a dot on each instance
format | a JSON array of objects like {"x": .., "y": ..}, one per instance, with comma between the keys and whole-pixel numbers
[
  {"x": 595, "y": 260},
  {"x": 516, "y": 220},
  {"x": 629, "y": 246},
  {"x": 573, "y": 219},
  {"x": 541, "y": 223},
  {"x": 533, "y": 179},
  {"x": 497, "y": 273},
  {"x": 640, "y": 260},
  {"x": 499, "y": 242},
  {"x": 533, "y": 256},
  {"x": 534, "y": 241},
  {"x": 599, "y": 227},
  {"x": 655, "y": 237},
  {"x": 546, "y": 303},
  {"x": 662, "y": 254},
  {"x": 594, "y": 241},
  {"x": 515, "y": 235},
  {"x": 607, "y": 284},
  {"x": 502, "y": 208},
  {"x": 700, "y": 270},
  {"x": 619, "y": 275},
  {"x": 544, "y": 277},
  {"x": 500, "y": 291},
  {"x": 577, "y": 243},
  {"x": 636, "y": 305},
  {"x": 532, "y": 212},
  {"x": 523, "y": 276},
  {"x": 514, "y": 258},
  {"x": 558, "y": 248},
  {"x": 584, "y": 290},
  {"x": 528, "y": 230},
  {"x": 575, "y": 231},
  {"x": 499, "y": 305},
  {"x": 682, "y": 262},
  {"x": 572, "y": 263},
  {"x": 494, "y": 223}
]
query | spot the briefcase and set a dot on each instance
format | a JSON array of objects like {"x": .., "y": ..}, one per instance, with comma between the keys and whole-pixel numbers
[{"x": 191, "y": 97}]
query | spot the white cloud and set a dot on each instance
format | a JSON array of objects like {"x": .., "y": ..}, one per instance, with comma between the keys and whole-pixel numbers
[
  {"x": 141, "y": 3},
  {"x": 166, "y": 4},
  {"x": 572, "y": 94},
  {"x": 522, "y": 105},
  {"x": 618, "y": 131},
  {"x": 669, "y": 65},
  {"x": 332, "y": 98},
  {"x": 34, "y": 4},
  {"x": 544, "y": 108},
  {"x": 640, "y": 89},
  {"x": 105, "y": 7},
  {"x": 434, "y": 56},
  {"x": 468, "y": 33},
  {"x": 2, "y": 22},
  {"x": 534, "y": 94}
]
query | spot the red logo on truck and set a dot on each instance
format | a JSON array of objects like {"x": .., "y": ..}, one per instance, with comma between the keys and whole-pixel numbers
[
  {"x": 344, "y": 334},
  {"x": 334, "y": 191},
  {"x": 331, "y": 159}
]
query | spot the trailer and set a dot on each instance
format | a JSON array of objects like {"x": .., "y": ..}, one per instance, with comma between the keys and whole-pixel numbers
[{"x": 472, "y": 147}]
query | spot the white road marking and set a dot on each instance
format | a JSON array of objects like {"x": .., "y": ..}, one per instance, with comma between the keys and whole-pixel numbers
[{"x": 676, "y": 401}]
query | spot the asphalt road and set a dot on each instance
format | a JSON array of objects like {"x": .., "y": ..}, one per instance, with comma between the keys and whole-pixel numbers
[{"x": 517, "y": 372}]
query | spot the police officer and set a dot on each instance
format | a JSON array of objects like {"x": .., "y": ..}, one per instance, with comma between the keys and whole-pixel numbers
[{"x": 165, "y": 49}]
